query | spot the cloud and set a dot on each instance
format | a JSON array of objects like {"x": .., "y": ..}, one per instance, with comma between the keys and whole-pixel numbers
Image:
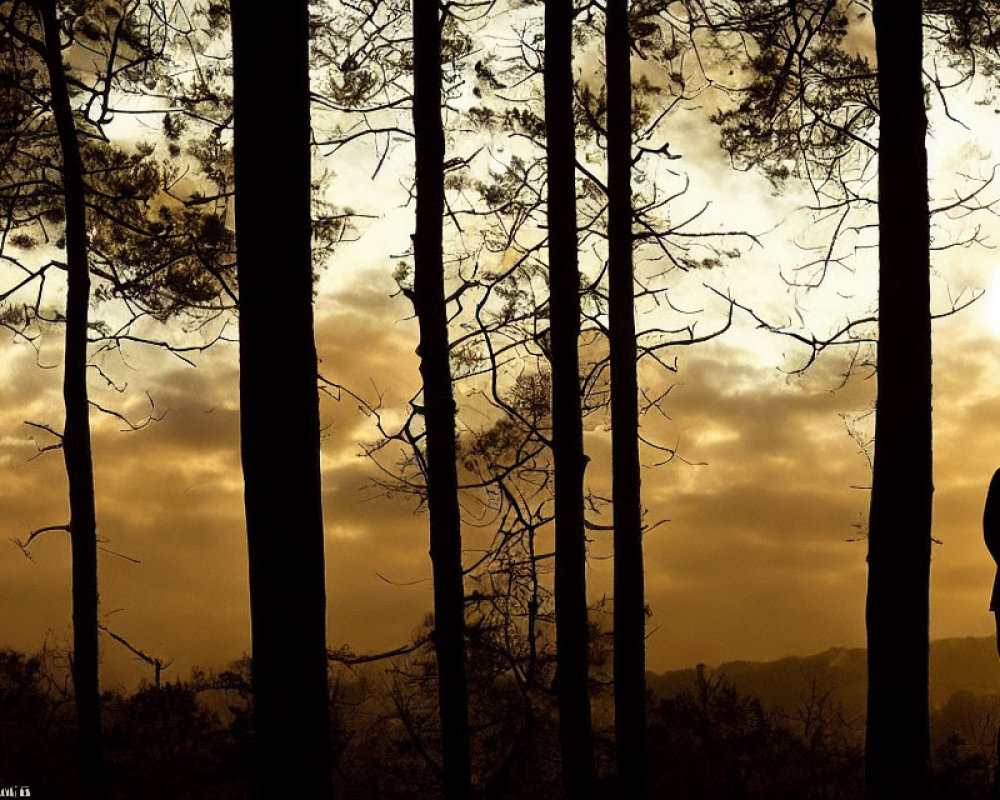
[
  {"x": 758, "y": 524},
  {"x": 753, "y": 560}
]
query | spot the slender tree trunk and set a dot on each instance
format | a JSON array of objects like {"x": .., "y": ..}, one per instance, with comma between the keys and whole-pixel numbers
[
  {"x": 897, "y": 745},
  {"x": 279, "y": 404},
  {"x": 439, "y": 403},
  {"x": 629, "y": 579},
  {"x": 76, "y": 433},
  {"x": 572, "y": 632}
]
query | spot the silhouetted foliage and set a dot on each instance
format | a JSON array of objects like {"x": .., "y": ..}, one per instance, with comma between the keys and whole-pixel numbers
[
  {"x": 192, "y": 738},
  {"x": 147, "y": 231},
  {"x": 37, "y": 727},
  {"x": 163, "y": 743}
]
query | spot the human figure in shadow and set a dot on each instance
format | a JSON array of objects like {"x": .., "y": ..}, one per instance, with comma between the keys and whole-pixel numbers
[{"x": 991, "y": 533}]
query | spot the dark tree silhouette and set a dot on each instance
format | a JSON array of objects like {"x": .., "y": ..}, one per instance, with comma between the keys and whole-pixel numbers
[
  {"x": 820, "y": 128},
  {"x": 507, "y": 317},
  {"x": 76, "y": 432},
  {"x": 629, "y": 578},
  {"x": 569, "y": 462},
  {"x": 279, "y": 406},
  {"x": 899, "y": 541},
  {"x": 429, "y": 303},
  {"x": 99, "y": 202}
]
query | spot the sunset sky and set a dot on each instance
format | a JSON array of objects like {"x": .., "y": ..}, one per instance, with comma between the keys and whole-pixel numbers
[{"x": 759, "y": 558}]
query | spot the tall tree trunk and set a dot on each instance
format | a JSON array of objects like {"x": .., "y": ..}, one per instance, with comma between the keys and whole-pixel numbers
[
  {"x": 629, "y": 579},
  {"x": 76, "y": 433},
  {"x": 899, "y": 543},
  {"x": 439, "y": 403},
  {"x": 569, "y": 463},
  {"x": 279, "y": 404}
]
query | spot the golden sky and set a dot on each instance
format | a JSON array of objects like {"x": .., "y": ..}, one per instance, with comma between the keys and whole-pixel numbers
[{"x": 755, "y": 562}]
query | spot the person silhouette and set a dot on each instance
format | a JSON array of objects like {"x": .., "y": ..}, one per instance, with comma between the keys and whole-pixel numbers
[{"x": 991, "y": 533}]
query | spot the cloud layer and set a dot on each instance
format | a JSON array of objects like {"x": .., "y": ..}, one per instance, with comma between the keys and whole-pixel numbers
[{"x": 755, "y": 558}]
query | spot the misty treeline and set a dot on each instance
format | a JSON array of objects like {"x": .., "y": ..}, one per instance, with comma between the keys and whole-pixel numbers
[
  {"x": 558, "y": 248},
  {"x": 193, "y": 737}
]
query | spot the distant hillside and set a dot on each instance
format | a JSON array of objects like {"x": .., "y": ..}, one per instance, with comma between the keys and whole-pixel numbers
[{"x": 968, "y": 664}]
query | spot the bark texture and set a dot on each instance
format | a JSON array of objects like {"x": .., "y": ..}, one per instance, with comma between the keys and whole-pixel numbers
[
  {"x": 629, "y": 576},
  {"x": 76, "y": 433},
  {"x": 279, "y": 405},
  {"x": 899, "y": 544},
  {"x": 439, "y": 404},
  {"x": 569, "y": 463}
]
